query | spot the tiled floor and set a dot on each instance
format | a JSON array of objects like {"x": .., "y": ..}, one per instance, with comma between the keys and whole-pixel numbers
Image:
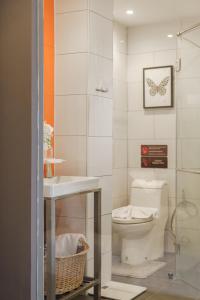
[{"x": 160, "y": 287}]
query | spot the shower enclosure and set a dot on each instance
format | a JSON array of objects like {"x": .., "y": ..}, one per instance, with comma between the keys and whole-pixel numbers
[{"x": 188, "y": 155}]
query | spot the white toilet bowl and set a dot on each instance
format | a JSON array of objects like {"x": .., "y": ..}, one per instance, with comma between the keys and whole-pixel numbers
[{"x": 143, "y": 237}]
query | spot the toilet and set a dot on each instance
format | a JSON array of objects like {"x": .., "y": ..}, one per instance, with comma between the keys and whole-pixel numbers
[{"x": 141, "y": 224}]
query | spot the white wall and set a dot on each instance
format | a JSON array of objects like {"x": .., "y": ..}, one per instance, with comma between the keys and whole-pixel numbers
[
  {"x": 149, "y": 46},
  {"x": 83, "y": 116},
  {"x": 120, "y": 102},
  {"x": 120, "y": 129}
]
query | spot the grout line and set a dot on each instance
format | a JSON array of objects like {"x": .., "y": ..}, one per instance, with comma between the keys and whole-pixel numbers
[
  {"x": 70, "y": 12},
  {"x": 100, "y": 15},
  {"x": 84, "y": 52}
]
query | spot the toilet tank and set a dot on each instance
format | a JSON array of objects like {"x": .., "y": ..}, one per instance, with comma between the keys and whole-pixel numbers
[{"x": 149, "y": 193}]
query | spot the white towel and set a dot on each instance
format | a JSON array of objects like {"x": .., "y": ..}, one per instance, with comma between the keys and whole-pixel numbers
[
  {"x": 134, "y": 212},
  {"x": 148, "y": 184},
  {"x": 67, "y": 244}
]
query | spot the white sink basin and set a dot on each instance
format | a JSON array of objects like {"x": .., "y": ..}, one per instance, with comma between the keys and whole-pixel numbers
[{"x": 66, "y": 185}]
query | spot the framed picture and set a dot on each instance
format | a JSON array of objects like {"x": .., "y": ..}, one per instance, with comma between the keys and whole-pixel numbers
[{"x": 158, "y": 87}]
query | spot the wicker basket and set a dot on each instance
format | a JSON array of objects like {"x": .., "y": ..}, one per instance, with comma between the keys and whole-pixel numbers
[{"x": 69, "y": 271}]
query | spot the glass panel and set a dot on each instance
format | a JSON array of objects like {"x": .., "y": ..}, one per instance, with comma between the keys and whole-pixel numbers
[{"x": 188, "y": 159}]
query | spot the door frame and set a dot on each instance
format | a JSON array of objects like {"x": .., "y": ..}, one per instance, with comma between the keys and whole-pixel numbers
[{"x": 37, "y": 212}]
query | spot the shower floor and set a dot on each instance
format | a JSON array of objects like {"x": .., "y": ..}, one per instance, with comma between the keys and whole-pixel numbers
[{"x": 160, "y": 287}]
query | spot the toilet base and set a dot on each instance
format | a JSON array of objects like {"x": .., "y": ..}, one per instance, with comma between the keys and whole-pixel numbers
[{"x": 137, "y": 251}]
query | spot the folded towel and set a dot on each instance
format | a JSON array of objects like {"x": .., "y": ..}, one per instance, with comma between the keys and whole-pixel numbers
[
  {"x": 134, "y": 212},
  {"x": 68, "y": 244},
  {"x": 151, "y": 184}
]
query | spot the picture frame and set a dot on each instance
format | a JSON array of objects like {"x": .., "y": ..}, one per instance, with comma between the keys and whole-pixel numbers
[{"x": 158, "y": 85}]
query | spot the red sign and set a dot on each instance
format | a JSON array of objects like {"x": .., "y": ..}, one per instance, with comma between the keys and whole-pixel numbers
[
  {"x": 154, "y": 150},
  {"x": 154, "y": 162},
  {"x": 154, "y": 156}
]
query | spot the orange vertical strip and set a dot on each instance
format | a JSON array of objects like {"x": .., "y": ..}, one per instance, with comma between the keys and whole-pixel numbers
[{"x": 49, "y": 61}]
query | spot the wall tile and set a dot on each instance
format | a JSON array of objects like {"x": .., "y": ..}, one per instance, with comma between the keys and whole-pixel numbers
[
  {"x": 165, "y": 124},
  {"x": 119, "y": 183},
  {"x": 106, "y": 267},
  {"x": 71, "y": 74},
  {"x": 136, "y": 63},
  {"x": 71, "y": 32},
  {"x": 70, "y": 115},
  {"x": 100, "y": 116},
  {"x": 120, "y": 95},
  {"x": 106, "y": 198},
  {"x": 106, "y": 184},
  {"x": 103, "y": 7},
  {"x": 135, "y": 96},
  {"x": 188, "y": 92},
  {"x": 73, "y": 150},
  {"x": 99, "y": 156},
  {"x": 189, "y": 123},
  {"x": 140, "y": 125},
  {"x": 119, "y": 154},
  {"x": 190, "y": 61},
  {"x": 190, "y": 154},
  {"x": 189, "y": 183},
  {"x": 73, "y": 207},
  {"x": 106, "y": 234},
  {"x": 164, "y": 58},
  {"x": 119, "y": 124},
  {"x": 100, "y": 76},
  {"x": 100, "y": 32},
  {"x": 120, "y": 66},
  {"x": 70, "y": 225},
  {"x": 120, "y": 201},
  {"x": 62, "y": 6},
  {"x": 120, "y": 36}
]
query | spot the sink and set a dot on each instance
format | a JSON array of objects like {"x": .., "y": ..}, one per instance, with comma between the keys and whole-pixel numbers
[{"x": 66, "y": 185}]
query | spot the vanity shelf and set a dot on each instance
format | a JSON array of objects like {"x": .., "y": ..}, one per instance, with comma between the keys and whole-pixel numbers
[
  {"x": 87, "y": 284},
  {"x": 92, "y": 186}
]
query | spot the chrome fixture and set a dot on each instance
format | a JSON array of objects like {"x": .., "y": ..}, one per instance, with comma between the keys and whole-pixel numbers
[
  {"x": 180, "y": 33},
  {"x": 102, "y": 90}
]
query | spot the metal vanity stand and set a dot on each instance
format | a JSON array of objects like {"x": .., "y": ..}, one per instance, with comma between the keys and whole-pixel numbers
[{"x": 50, "y": 204}]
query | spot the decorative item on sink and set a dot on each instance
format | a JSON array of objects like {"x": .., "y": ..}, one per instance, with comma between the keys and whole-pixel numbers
[
  {"x": 158, "y": 87},
  {"x": 49, "y": 160},
  {"x": 47, "y": 140}
]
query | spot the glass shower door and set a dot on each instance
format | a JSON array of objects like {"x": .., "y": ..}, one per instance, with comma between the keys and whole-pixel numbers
[{"x": 188, "y": 158}]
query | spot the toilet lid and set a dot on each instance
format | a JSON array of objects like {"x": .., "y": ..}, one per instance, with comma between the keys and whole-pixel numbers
[
  {"x": 133, "y": 221},
  {"x": 133, "y": 214}
]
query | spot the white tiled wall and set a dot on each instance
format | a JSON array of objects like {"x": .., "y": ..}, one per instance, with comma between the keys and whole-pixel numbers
[
  {"x": 148, "y": 46},
  {"x": 120, "y": 154},
  {"x": 120, "y": 104},
  {"x": 83, "y": 116}
]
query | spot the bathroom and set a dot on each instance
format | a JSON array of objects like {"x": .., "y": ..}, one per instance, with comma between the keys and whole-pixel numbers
[
  {"x": 101, "y": 123},
  {"x": 120, "y": 105}
]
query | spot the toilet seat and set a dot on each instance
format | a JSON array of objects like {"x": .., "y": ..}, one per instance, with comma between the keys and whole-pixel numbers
[
  {"x": 132, "y": 221},
  {"x": 139, "y": 215}
]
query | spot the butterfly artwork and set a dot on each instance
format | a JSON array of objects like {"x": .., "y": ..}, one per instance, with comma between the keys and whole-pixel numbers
[
  {"x": 158, "y": 87},
  {"x": 154, "y": 89}
]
